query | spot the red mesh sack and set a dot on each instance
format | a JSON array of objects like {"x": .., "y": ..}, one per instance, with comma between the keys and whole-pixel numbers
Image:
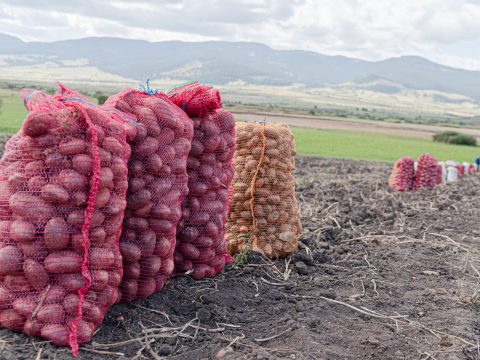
[
  {"x": 63, "y": 183},
  {"x": 403, "y": 175},
  {"x": 426, "y": 175},
  {"x": 201, "y": 246},
  {"x": 158, "y": 183}
]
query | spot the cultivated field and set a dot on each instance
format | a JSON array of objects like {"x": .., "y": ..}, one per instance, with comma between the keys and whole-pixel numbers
[
  {"x": 379, "y": 275},
  {"x": 319, "y": 136}
]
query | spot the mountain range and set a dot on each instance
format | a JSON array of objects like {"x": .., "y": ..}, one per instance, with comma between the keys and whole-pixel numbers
[{"x": 218, "y": 62}]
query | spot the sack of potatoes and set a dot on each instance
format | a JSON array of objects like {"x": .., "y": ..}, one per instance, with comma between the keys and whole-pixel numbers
[{"x": 264, "y": 215}]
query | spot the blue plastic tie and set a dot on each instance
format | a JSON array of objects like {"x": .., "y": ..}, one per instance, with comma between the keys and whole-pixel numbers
[
  {"x": 28, "y": 96},
  {"x": 146, "y": 89}
]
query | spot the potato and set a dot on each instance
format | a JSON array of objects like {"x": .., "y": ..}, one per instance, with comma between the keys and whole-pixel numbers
[
  {"x": 155, "y": 164},
  {"x": 115, "y": 277},
  {"x": 129, "y": 289},
  {"x": 144, "y": 211},
  {"x": 142, "y": 133},
  {"x": 76, "y": 218},
  {"x": 36, "y": 183},
  {"x": 189, "y": 251},
  {"x": 147, "y": 241},
  {"x": 100, "y": 258},
  {"x": 131, "y": 270},
  {"x": 131, "y": 253},
  {"x": 97, "y": 236},
  {"x": 199, "y": 218},
  {"x": 54, "y": 194},
  {"x": 72, "y": 147},
  {"x": 139, "y": 199},
  {"x": 92, "y": 313},
  {"x": 108, "y": 296},
  {"x": 204, "y": 241},
  {"x": 24, "y": 306},
  {"x": 105, "y": 157},
  {"x": 83, "y": 164},
  {"x": 30, "y": 207},
  {"x": 6, "y": 298},
  {"x": 160, "y": 187},
  {"x": 148, "y": 118},
  {"x": 22, "y": 231},
  {"x": 56, "y": 234},
  {"x": 17, "y": 283},
  {"x": 200, "y": 271},
  {"x": 116, "y": 205},
  {"x": 11, "y": 260},
  {"x": 147, "y": 146},
  {"x": 85, "y": 331},
  {"x": 167, "y": 266},
  {"x": 161, "y": 211},
  {"x": 161, "y": 225},
  {"x": 35, "y": 274},
  {"x": 113, "y": 146},
  {"x": 206, "y": 256},
  {"x": 51, "y": 313},
  {"x": 32, "y": 327},
  {"x": 162, "y": 247},
  {"x": 150, "y": 265},
  {"x": 56, "y": 161},
  {"x": 73, "y": 180},
  {"x": 11, "y": 320},
  {"x": 106, "y": 178},
  {"x": 197, "y": 148},
  {"x": 146, "y": 287},
  {"x": 167, "y": 154},
  {"x": 71, "y": 282},
  {"x": 166, "y": 137},
  {"x": 56, "y": 333},
  {"x": 70, "y": 304},
  {"x": 38, "y": 123},
  {"x": 198, "y": 188},
  {"x": 62, "y": 262},
  {"x": 103, "y": 198},
  {"x": 33, "y": 250}
]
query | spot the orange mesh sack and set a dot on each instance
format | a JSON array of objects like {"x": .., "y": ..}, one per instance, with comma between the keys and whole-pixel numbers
[
  {"x": 264, "y": 214},
  {"x": 201, "y": 246},
  {"x": 403, "y": 175},
  {"x": 63, "y": 183},
  {"x": 158, "y": 183}
]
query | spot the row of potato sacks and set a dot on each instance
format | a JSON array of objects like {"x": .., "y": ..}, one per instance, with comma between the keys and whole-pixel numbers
[
  {"x": 76, "y": 174},
  {"x": 264, "y": 214}
]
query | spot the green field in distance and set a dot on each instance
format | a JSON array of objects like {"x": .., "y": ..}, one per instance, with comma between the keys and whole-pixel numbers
[{"x": 324, "y": 143}]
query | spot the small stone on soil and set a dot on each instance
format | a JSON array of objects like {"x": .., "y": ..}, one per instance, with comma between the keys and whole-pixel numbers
[
  {"x": 165, "y": 350},
  {"x": 203, "y": 315},
  {"x": 301, "y": 267}
]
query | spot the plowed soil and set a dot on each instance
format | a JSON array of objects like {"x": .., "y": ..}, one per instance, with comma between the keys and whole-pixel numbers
[{"x": 379, "y": 275}]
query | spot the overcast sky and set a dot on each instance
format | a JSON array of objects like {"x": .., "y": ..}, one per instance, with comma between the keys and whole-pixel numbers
[{"x": 446, "y": 31}]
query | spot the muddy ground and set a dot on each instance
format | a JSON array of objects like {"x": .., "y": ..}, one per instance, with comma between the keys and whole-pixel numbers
[{"x": 379, "y": 275}]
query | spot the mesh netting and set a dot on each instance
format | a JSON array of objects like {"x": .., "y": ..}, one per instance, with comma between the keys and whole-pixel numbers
[
  {"x": 158, "y": 183},
  {"x": 403, "y": 175},
  {"x": 63, "y": 182},
  {"x": 264, "y": 214},
  {"x": 427, "y": 170},
  {"x": 201, "y": 247}
]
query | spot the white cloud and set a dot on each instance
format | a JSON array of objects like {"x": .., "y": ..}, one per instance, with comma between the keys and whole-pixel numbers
[{"x": 369, "y": 29}]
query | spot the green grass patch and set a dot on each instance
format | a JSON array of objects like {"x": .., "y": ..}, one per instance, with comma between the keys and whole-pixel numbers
[
  {"x": 12, "y": 111},
  {"x": 370, "y": 146}
]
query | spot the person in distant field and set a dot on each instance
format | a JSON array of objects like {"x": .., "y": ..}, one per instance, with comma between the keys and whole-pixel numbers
[{"x": 477, "y": 164}]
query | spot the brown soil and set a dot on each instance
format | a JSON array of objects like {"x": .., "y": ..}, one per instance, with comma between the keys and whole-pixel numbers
[{"x": 379, "y": 275}]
